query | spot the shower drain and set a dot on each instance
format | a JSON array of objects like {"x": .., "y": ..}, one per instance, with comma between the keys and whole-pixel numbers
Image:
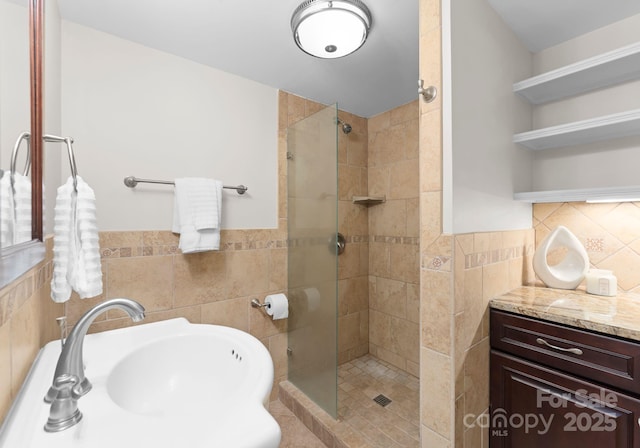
[{"x": 382, "y": 400}]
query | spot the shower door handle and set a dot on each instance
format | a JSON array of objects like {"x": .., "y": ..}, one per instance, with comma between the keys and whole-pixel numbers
[{"x": 337, "y": 243}]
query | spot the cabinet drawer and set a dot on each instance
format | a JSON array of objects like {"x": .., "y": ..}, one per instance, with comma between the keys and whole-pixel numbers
[{"x": 605, "y": 359}]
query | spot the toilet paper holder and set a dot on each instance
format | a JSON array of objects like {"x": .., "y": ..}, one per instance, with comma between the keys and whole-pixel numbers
[{"x": 255, "y": 303}]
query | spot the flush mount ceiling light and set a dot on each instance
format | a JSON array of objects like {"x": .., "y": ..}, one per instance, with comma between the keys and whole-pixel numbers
[{"x": 330, "y": 29}]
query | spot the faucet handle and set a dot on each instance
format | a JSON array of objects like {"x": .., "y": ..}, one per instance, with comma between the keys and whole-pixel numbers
[
  {"x": 64, "y": 411},
  {"x": 64, "y": 386},
  {"x": 67, "y": 382}
]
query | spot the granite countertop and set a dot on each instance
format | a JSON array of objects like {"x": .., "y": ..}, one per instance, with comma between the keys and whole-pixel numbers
[{"x": 618, "y": 316}]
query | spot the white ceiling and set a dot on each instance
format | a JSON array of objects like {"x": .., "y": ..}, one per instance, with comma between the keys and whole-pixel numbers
[
  {"x": 252, "y": 39},
  {"x": 544, "y": 23}
]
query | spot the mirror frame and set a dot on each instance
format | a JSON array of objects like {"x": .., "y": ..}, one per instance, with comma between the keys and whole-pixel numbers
[{"x": 17, "y": 260}]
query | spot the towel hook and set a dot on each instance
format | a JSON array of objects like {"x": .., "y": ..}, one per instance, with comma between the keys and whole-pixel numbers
[{"x": 429, "y": 94}]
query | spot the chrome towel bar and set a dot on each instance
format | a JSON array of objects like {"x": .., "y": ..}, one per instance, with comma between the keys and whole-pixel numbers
[{"x": 132, "y": 181}]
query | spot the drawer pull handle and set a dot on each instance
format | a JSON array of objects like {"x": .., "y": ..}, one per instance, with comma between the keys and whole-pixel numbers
[{"x": 575, "y": 351}]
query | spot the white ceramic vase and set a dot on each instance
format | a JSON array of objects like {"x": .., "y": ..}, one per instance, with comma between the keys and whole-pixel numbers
[{"x": 571, "y": 270}]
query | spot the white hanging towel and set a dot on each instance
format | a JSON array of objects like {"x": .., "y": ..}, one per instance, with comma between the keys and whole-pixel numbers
[
  {"x": 22, "y": 204},
  {"x": 15, "y": 209},
  {"x": 197, "y": 214},
  {"x": 76, "y": 250},
  {"x": 7, "y": 211}
]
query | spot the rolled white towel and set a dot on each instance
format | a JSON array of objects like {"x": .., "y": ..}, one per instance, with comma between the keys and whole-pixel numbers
[{"x": 87, "y": 277}]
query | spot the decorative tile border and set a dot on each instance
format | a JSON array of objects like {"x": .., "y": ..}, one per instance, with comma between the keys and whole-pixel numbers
[
  {"x": 496, "y": 256},
  {"x": 151, "y": 250},
  {"x": 410, "y": 240},
  {"x": 246, "y": 243}
]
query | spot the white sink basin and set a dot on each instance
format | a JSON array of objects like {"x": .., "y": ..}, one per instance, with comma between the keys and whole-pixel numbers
[{"x": 166, "y": 384}]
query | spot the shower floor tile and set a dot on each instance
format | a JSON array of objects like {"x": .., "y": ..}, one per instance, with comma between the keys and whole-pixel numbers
[
  {"x": 363, "y": 423},
  {"x": 397, "y": 423}
]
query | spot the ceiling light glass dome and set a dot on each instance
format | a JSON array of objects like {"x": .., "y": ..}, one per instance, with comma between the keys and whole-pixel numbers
[{"x": 330, "y": 29}]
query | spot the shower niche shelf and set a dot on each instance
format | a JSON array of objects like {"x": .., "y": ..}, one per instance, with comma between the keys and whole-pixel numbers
[{"x": 369, "y": 200}]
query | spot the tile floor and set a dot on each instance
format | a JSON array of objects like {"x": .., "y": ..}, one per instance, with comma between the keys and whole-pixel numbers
[
  {"x": 362, "y": 423},
  {"x": 294, "y": 433}
]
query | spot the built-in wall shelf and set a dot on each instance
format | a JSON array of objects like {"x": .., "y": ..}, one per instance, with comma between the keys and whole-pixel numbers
[
  {"x": 607, "y": 69},
  {"x": 608, "y": 194},
  {"x": 369, "y": 200},
  {"x": 586, "y": 131}
]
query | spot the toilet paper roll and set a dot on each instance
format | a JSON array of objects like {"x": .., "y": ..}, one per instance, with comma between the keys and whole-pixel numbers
[
  {"x": 277, "y": 306},
  {"x": 312, "y": 296}
]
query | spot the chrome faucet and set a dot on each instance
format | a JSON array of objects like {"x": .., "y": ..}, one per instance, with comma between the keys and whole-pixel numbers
[{"x": 69, "y": 381}]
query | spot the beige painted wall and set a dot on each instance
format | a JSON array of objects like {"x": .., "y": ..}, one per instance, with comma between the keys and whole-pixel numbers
[{"x": 134, "y": 110}]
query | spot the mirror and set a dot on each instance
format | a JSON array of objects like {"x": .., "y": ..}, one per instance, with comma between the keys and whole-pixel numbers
[
  {"x": 15, "y": 193},
  {"x": 20, "y": 135}
]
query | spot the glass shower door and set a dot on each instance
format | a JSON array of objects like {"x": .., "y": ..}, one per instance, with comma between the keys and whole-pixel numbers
[{"x": 312, "y": 145}]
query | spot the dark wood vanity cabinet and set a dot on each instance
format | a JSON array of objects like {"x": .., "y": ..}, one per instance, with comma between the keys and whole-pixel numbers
[{"x": 558, "y": 386}]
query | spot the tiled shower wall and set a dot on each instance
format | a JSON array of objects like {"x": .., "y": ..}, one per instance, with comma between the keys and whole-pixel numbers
[
  {"x": 393, "y": 238},
  {"x": 353, "y": 264},
  {"x": 27, "y": 322},
  {"x": 378, "y": 272}
]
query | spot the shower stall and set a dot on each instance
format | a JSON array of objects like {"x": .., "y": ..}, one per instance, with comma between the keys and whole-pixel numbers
[{"x": 353, "y": 332}]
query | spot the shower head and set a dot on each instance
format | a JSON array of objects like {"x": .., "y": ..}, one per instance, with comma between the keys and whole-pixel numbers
[{"x": 346, "y": 127}]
